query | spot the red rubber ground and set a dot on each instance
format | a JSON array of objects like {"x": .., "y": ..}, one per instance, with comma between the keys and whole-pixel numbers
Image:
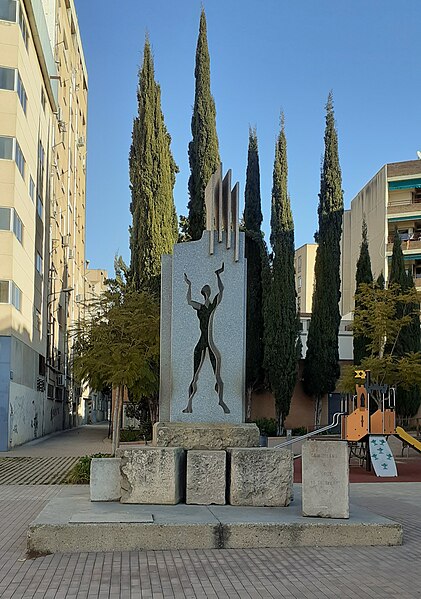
[{"x": 409, "y": 471}]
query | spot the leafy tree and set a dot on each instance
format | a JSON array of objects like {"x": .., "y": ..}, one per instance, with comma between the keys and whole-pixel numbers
[
  {"x": 204, "y": 148},
  {"x": 254, "y": 249},
  {"x": 321, "y": 366},
  {"x": 380, "y": 315},
  {"x": 154, "y": 228},
  {"x": 363, "y": 275},
  {"x": 118, "y": 344},
  {"x": 409, "y": 338},
  {"x": 280, "y": 306}
]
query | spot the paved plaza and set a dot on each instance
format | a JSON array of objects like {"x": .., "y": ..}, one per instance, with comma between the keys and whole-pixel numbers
[{"x": 242, "y": 573}]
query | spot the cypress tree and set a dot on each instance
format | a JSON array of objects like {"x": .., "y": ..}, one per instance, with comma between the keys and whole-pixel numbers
[
  {"x": 253, "y": 250},
  {"x": 152, "y": 169},
  {"x": 362, "y": 275},
  {"x": 409, "y": 339},
  {"x": 321, "y": 366},
  {"x": 204, "y": 148},
  {"x": 280, "y": 305}
]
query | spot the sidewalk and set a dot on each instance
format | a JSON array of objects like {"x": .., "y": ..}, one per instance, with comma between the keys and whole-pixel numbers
[
  {"x": 85, "y": 440},
  {"x": 308, "y": 573}
]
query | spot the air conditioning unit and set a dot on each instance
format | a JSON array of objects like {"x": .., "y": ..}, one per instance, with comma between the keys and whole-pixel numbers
[
  {"x": 60, "y": 381},
  {"x": 79, "y": 298},
  {"x": 65, "y": 241},
  {"x": 59, "y": 114},
  {"x": 81, "y": 141},
  {"x": 62, "y": 126},
  {"x": 71, "y": 254}
]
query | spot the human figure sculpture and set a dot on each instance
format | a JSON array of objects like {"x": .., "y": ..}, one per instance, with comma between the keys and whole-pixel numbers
[{"x": 205, "y": 313}]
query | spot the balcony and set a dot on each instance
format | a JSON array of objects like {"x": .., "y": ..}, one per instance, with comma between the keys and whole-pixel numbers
[
  {"x": 412, "y": 243},
  {"x": 409, "y": 207}
]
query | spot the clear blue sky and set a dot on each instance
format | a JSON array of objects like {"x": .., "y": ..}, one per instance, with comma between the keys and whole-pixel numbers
[{"x": 266, "y": 55}]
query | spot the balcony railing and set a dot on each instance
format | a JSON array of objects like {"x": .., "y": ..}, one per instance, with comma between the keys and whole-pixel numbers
[
  {"x": 412, "y": 243},
  {"x": 411, "y": 206}
]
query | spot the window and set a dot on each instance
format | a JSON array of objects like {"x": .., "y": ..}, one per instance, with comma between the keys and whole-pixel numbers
[
  {"x": 6, "y": 147},
  {"x": 299, "y": 282},
  {"x": 23, "y": 27},
  {"x": 43, "y": 101},
  {"x": 31, "y": 189},
  {"x": 38, "y": 263},
  {"x": 5, "y": 219},
  {"x": 7, "y": 78},
  {"x": 8, "y": 10},
  {"x": 299, "y": 263},
  {"x": 16, "y": 297},
  {"x": 21, "y": 93},
  {"x": 40, "y": 207},
  {"x": 20, "y": 160},
  {"x": 17, "y": 226},
  {"x": 4, "y": 292}
]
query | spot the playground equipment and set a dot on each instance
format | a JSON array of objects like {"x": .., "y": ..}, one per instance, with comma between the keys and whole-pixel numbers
[{"x": 369, "y": 417}]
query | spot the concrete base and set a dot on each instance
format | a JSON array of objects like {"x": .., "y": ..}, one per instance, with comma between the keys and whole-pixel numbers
[
  {"x": 105, "y": 479},
  {"x": 205, "y": 435},
  {"x": 70, "y": 522}
]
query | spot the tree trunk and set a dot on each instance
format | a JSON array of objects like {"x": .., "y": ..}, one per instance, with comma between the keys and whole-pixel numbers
[
  {"x": 318, "y": 405},
  {"x": 153, "y": 403},
  {"x": 116, "y": 421}
]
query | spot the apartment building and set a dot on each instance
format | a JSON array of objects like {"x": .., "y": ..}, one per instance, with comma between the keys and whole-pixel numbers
[
  {"x": 43, "y": 113},
  {"x": 390, "y": 200},
  {"x": 304, "y": 262}
]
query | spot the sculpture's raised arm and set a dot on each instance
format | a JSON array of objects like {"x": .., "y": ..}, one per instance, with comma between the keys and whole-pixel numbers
[{"x": 192, "y": 303}]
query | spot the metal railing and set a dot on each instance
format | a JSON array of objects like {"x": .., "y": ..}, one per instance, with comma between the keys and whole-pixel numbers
[{"x": 335, "y": 422}]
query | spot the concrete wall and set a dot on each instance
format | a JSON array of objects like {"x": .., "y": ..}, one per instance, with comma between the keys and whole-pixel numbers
[
  {"x": 369, "y": 204},
  {"x": 305, "y": 259}
]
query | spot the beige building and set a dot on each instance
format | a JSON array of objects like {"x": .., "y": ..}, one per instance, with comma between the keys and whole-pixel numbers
[
  {"x": 43, "y": 112},
  {"x": 391, "y": 200},
  {"x": 95, "y": 405},
  {"x": 305, "y": 259}
]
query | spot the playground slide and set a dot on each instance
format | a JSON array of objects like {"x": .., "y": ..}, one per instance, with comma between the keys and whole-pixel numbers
[
  {"x": 407, "y": 438},
  {"x": 381, "y": 456}
]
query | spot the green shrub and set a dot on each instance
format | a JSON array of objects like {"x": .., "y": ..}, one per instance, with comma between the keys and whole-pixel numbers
[
  {"x": 136, "y": 434},
  {"x": 267, "y": 426},
  {"x": 297, "y": 432},
  {"x": 80, "y": 474}
]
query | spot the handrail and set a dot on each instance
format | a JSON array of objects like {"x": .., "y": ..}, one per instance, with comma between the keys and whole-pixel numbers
[{"x": 335, "y": 422}]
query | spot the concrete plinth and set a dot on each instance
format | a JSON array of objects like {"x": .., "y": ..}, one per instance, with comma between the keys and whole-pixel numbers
[
  {"x": 325, "y": 479},
  {"x": 206, "y": 477},
  {"x": 205, "y": 435},
  {"x": 152, "y": 474},
  {"x": 71, "y": 522},
  {"x": 105, "y": 479},
  {"x": 261, "y": 477}
]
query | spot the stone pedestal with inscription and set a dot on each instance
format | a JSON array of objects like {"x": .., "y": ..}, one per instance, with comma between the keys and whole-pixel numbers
[{"x": 325, "y": 479}]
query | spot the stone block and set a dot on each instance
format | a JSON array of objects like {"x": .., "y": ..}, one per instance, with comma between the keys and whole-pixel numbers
[
  {"x": 205, "y": 435},
  {"x": 206, "y": 477},
  {"x": 105, "y": 479},
  {"x": 261, "y": 477},
  {"x": 325, "y": 480},
  {"x": 154, "y": 475}
]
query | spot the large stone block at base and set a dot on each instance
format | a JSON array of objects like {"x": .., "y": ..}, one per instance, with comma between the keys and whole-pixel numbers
[
  {"x": 105, "y": 479},
  {"x": 206, "y": 477},
  {"x": 152, "y": 474},
  {"x": 261, "y": 477},
  {"x": 325, "y": 480},
  {"x": 205, "y": 435}
]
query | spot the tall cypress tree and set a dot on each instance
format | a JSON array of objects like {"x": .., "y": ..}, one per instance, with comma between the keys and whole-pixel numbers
[
  {"x": 409, "y": 339},
  {"x": 321, "y": 366},
  {"x": 204, "y": 148},
  {"x": 253, "y": 250},
  {"x": 280, "y": 305},
  {"x": 154, "y": 228},
  {"x": 363, "y": 275}
]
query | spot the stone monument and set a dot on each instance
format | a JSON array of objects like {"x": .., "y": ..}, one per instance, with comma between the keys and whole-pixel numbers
[{"x": 203, "y": 324}]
